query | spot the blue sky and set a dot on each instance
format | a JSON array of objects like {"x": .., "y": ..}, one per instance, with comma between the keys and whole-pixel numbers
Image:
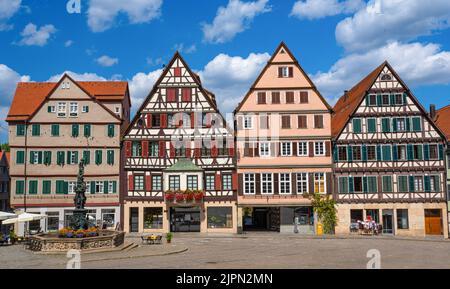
[{"x": 226, "y": 41}]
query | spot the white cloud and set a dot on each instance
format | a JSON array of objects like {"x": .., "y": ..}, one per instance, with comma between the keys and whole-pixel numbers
[
  {"x": 102, "y": 13},
  {"x": 7, "y": 9},
  {"x": 229, "y": 78},
  {"x": 316, "y": 9},
  {"x": 233, "y": 19},
  {"x": 77, "y": 76},
  {"x": 182, "y": 49},
  {"x": 416, "y": 63},
  {"x": 31, "y": 35},
  {"x": 154, "y": 62},
  {"x": 384, "y": 21},
  {"x": 107, "y": 61},
  {"x": 140, "y": 86},
  {"x": 68, "y": 43}
]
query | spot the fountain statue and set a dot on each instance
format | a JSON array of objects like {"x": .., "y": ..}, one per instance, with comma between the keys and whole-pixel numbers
[{"x": 79, "y": 219}]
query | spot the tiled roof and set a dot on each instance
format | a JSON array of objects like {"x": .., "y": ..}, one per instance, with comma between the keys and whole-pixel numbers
[
  {"x": 6, "y": 154},
  {"x": 348, "y": 103},
  {"x": 30, "y": 95},
  {"x": 443, "y": 120}
]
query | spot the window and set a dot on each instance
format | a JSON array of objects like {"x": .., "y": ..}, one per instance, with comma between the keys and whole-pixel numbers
[
  {"x": 156, "y": 120},
  {"x": 371, "y": 153},
  {"x": 110, "y": 129},
  {"x": 98, "y": 157},
  {"x": 156, "y": 183},
  {"x": 72, "y": 157},
  {"x": 400, "y": 124},
  {"x": 72, "y": 187},
  {"x": 55, "y": 129},
  {"x": 398, "y": 98},
  {"x": 62, "y": 109},
  {"x": 358, "y": 184},
  {"x": 248, "y": 123},
  {"x": 386, "y": 77},
  {"x": 402, "y": 219},
  {"x": 303, "y": 97},
  {"x": 285, "y": 183},
  {"x": 402, "y": 184},
  {"x": 171, "y": 94},
  {"x": 154, "y": 149},
  {"x": 73, "y": 111},
  {"x": 174, "y": 183},
  {"x": 372, "y": 186},
  {"x": 138, "y": 182},
  {"x": 261, "y": 98},
  {"x": 20, "y": 130},
  {"x": 20, "y": 157},
  {"x": 276, "y": 98},
  {"x": 264, "y": 149},
  {"x": 342, "y": 153},
  {"x": 371, "y": 125},
  {"x": 356, "y": 153},
  {"x": 192, "y": 183},
  {"x": 52, "y": 221},
  {"x": 112, "y": 187},
  {"x": 210, "y": 182},
  {"x": 434, "y": 152},
  {"x": 302, "y": 149},
  {"x": 401, "y": 152},
  {"x": 302, "y": 183},
  {"x": 416, "y": 124},
  {"x": 35, "y": 130},
  {"x": 385, "y": 125},
  {"x": 372, "y": 100},
  {"x": 417, "y": 152},
  {"x": 319, "y": 148},
  {"x": 285, "y": 71},
  {"x": 264, "y": 122},
  {"x": 85, "y": 109},
  {"x": 387, "y": 184},
  {"x": 249, "y": 184},
  {"x": 87, "y": 130},
  {"x": 290, "y": 98},
  {"x": 434, "y": 184},
  {"x": 220, "y": 217},
  {"x": 51, "y": 109},
  {"x": 20, "y": 187},
  {"x": 136, "y": 149},
  {"x": 357, "y": 125},
  {"x": 319, "y": 183},
  {"x": 110, "y": 157},
  {"x": 227, "y": 182},
  {"x": 153, "y": 218},
  {"x": 100, "y": 186},
  {"x": 318, "y": 121},
  {"x": 286, "y": 149},
  {"x": 418, "y": 184},
  {"x": 75, "y": 130},
  {"x": 285, "y": 121},
  {"x": 266, "y": 183},
  {"x": 343, "y": 185},
  {"x": 385, "y": 100},
  {"x": 302, "y": 121}
]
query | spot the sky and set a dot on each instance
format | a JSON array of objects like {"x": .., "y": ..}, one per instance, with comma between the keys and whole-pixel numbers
[{"x": 227, "y": 42}]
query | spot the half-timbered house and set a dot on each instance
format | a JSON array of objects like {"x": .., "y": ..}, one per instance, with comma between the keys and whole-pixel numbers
[
  {"x": 283, "y": 134},
  {"x": 388, "y": 159},
  {"x": 179, "y": 159}
]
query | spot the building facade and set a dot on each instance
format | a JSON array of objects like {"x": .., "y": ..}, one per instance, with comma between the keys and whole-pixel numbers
[
  {"x": 179, "y": 159},
  {"x": 388, "y": 159},
  {"x": 442, "y": 119},
  {"x": 283, "y": 141},
  {"x": 52, "y": 126},
  {"x": 4, "y": 181}
]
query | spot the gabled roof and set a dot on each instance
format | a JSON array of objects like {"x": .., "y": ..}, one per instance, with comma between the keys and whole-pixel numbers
[
  {"x": 443, "y": 121},
  {"x": 6, "y": 155},
  {"x": 282, "y": 45},
  {"x": 349, "y": 103},
  {"x": 30, "y": 96},
  {"x": 184, "y": 165}
]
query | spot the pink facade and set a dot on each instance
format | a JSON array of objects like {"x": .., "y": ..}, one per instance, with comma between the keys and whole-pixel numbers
[{"x": 283, "y": 146}]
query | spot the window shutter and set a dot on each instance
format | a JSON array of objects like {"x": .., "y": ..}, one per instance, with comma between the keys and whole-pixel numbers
[
  {"x": 311, "y": 183},
  {"x": 87, "y": 130},
  {"x": 410, "y": 152},
  {"x": 394, "y": 125},
  {"x": 87, "y": 157},
  {"x": 144, "y": 148},
  {"x": 349, "y": 153},
  {"x": 416, "y": 124},
  {"x": 76, "y": 157},
  {"x": 351, "y": 185},
  {"x": 411, "y": 184},
  {"x": 405, "y": 100},
  {"x": 379, "y": 100},
  {"x": 426, "y": 152},
  {"x": 163, "y": 120},
  {"x": 188, "y": 150},
  {"x": 408, "y": 124},
  {"x": 186, "y": 94},
  {"x": 111, "y": 157},
  {"x": 148, "y": 183},
  {"x": 218, "y": 182},
  {"x": 234, "y": 181},
  {"x": 231, "y": 150},
  {"x": 172, "y": 150},
  {"x": 427, "y": 185},
  {"x": 364, "y": 153},
  {"x": 111, "y": 130},
  {"x": 240, "y": 122},
  {"x": 66, "y": 187},
  {"x": 379, "y": 156},
  {"x": 392, "y": 99},
  {"x": 127, "y": 148},
  {"x": 162, "y": 149},
  {"x": 105, "y": 187},
  {"x": 311, "y": 149},
  {"x": 114, "y": 187},
  {"x": 98, "y": 157},
  {"x": 335, "y": 154},
  {"x": 214, "y": 150},
  {"x": 395, "y": 152},
  {"x": 92, "y": 187},
  {"x": 240, "y": 184},
  {"x": 365, "y": 184},
  {"x": 327, "y": 148},
  {"x": 208, "y": 120},
  {"x": 291, "y": 71},
  {"x": 280, "y": 72},
  {"x": 192, "y": 120},
  {"x": 39, "y": 158},
  {"x": 441, "y": 152},
  {"x": 131, "y": 182}
]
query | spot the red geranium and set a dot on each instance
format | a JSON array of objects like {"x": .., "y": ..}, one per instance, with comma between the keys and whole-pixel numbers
[
  {"x": 179, "y": 197},
  {"x": 199, "y": 196},
  {"x": 170, "y": 196}
]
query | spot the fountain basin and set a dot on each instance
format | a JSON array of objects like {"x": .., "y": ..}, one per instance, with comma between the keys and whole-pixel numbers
[{"x": 107, "y": 239}]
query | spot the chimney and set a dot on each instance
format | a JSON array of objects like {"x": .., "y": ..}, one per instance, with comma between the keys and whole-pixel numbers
[
  {"x": 345, "y": 95},
  {"x": 433, "y": 112}
]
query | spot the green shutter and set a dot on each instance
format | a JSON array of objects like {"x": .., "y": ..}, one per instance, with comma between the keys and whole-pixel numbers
[
  {"x": 75, "y": 130},
  {"x": 437, "y": 185},
  {"x": 410, "y": 152},
  {"x": 404, "y": 98},
  {"x": 365, "y": 185},
  {"x": 371, "y": 125},
  {"x": 441, "y": 152},
  {"x": 349, "y": 153},
  {"x": 105, "y": 187},
  {"x": 40, "y": 157},
  {"x": 60, "y": 158},
  {"x": 98, "y": 157},
  {"x": 416, "y": 124},
  {"x": 351, "y": 185},
  {"x": 87, "y": 157},
  {"x": 408, "y": 124},
  {"x": 387, "y": 184},
  {"x": 20, "y": 186},
  {"x": 32, "y": 157},
  {"x": 420, "y": 150},
  {"x": 367, "y": 100},
  {"x": 364, "y": 153},
  {"x": 110, "y": 130},
  {"x": 49, "y": 108},
  {"x": 411, "y": 184},
  {"x": 20, "y": 130},
  {"x": 92, "y": 187},
  {"x": 402, "y": 184},
  {"x": 69, "y": 159},
  {"x": 110, "y": 157},
  {"x": 20, "y": 157},
  {"x": 46, "y": 187},
  {"x": 114, "y": 187},
  {"x": 335, "y": 154},
  {"x": 60, "y": 187},
  {"x": 426, "y": 182},
  {"x": 392, "y": 99},
  {"x": 66, "y": 188},
  {"x": 55, "y": 129},
  {"x": 87, "y": 130},
  {"x": 379, "y": 156},
  {"x": 356, "y": 125},
  {"x": 33, "y": 185},
  {"x": 426, "y": 152},
  {"x": 394, "y": 125},
  {"x": 385, "y": 125},
  {"x": 379, "y": 100},
  {"x": 35, "y": 130},
  {"x": 394, "y": 152},
  {"x": 386, "y": 153}
]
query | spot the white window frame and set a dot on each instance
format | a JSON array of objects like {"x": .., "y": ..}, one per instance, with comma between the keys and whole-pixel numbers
[
  {"x": 318, "y": 180},
  {"x": 88, "y": 187},
  {"x": 99, "y": 185},
  {"x": 368, "y": 102},
  {"x": 281, "y": 182},
  {"x": 73, "y": 109},
  {"x": 62, "y": 109},
  {"x": 249, "y": 181},
  {"x": 264, "y": 149},
  {"x": 284, "y": 149},
  {"x": 405, "y": 151},
  {"x": 265, "y": 182},
  {"x": 284, "y": 71},
  {"x": 72, "y": 186},
  {"x": 418, "y": 184},
  {"x": 316, "y": 153},
  {"x": 110, "y": 187},
  {"x": 72, "y": 155},
  {"x": 389, "y": 99},
  {"x": 401, "y": 124},
  {"x": 85, "y": 109},
  {"x": 395, "y": 99},
  {"x": 248, "y": 122},
  {"x": 302, "y": 180},
  {"x": 52, "y": 108},
  {"x": 305, "y": 152}
]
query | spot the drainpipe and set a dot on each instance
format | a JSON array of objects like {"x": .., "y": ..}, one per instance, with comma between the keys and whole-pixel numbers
[{"x": 25, "y": 167}]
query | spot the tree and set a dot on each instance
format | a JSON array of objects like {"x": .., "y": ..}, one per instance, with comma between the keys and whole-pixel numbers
[
  {"x": 5, "y": 147},
  {"x": 325, "y": 207}
]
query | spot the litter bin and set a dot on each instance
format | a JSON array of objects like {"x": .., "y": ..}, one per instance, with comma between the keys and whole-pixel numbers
[{"x": 319, "y": 229}]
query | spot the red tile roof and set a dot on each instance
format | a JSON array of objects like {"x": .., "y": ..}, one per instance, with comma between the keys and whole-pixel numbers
[
  {"x": 30, "y": 95},
  {"x": 348, "y": 103},
  {"x": 443, "y": 120}
]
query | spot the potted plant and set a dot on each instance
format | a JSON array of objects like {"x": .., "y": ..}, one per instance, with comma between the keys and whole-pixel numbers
[
  {"x": 169, "y": 237},
  {"x": 69, "y": 233},
  {"x": 189, "y": 196},
  {"x": 12, "y": 237},
  {"x": 170, "y": 196},
  {"x": 92, "y": 232},
  {"x": 80, "y": 233},
  {"x": 198, "y": 196},
  {"x": 179, "y": 197}
]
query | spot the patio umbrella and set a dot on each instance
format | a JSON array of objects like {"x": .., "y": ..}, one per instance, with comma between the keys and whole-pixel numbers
[
  {"x": 25, "y": 217},
  {"x": 5, "y": 215}
]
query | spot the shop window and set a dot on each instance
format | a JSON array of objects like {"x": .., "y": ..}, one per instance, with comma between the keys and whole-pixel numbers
[
  {"x": 220, "y": 217},
  {"x": 153, "y": 218}
]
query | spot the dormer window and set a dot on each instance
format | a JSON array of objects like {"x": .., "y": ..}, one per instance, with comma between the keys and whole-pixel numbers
[{"x": 386, "y": 77}]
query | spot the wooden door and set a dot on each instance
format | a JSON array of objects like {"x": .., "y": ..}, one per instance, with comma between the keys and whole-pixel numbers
[{"x": 433, "y": 222}]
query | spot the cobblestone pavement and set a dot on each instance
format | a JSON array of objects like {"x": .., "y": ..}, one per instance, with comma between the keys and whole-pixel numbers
[{"x": 254, "y": 251}]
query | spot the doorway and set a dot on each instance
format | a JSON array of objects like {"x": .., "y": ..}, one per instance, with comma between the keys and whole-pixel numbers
[
  {"x": 433, "y": 222},
  {"x": 134, "y": 220},
  {"x": 185, "y": 219},
  {"x": 388, "y": 222}
]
